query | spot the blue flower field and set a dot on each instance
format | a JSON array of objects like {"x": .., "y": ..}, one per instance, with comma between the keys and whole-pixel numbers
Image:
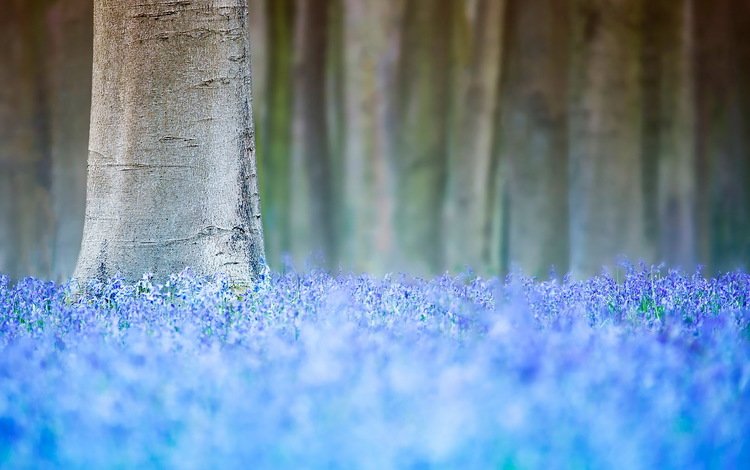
[{"x": 651, "y": 370}]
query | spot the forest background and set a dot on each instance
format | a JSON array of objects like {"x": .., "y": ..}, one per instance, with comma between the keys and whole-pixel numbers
[{"x": 432, "y": 135}]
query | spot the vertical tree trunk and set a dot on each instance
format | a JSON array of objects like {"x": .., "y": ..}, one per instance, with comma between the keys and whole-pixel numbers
[
  {"x": 276, "y": 140},
  {"x": 172, "y": 178},
  {"x": 497, "y": 217},
  {"x": 26, "y": 222},
  {"x": 259, "y": 57},
  {"x": 259, "y": 22},
  {"x": 422, "y": 130},
  {"x": 534, "y": 138},
  {"x": 606, "y": 185},
  {"x": 668, "y": 130},
  {"x": 68, "y": 73},
  {"x": 742, "y": 39},
  {"x": 653, "y": 44},
  {"x": 372, "y": 39},
  {"x": 723, "y": 145},
  {"x": 471, "y": 151},
  {"x": 336, "y": 115},
  {"x": 315, "y": 230}
]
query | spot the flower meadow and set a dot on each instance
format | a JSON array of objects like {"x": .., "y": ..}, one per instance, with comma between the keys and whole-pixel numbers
[{"x": 651, "y": 370}]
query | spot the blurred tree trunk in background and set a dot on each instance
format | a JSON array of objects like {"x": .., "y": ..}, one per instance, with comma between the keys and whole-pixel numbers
[
  {"x": 723, "y": 122},
  {"x": 372, "y": 38},
  {"x": 534, "y": 139},
  {"x": 313, "y": 223},
  {"x": 276, "y": 130},
  {"x": 742, "y": 39},
  {"x": 68, "y": 74},
  {"x": 335, "y": 80},
  {"x": 259, "y": 50},
  {"x": 421, "y": 133},
  {"x": 26, "y": 219},
  {"x": 668, "y": 130},
  {"x": 477, "y": 34},
  {"x": 606, "y": 180}
]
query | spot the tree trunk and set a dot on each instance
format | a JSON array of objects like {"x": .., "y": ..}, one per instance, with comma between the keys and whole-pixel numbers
[
  {"x": 172, "y": 177},
  {"x": 471, "y": 151},
  {"x": 722, "y": 123},
  {"x": 314, "y": 229},
  {"x": 258, "y": 18},
  {"x": 26, "y": 222},
  {"x": 742, "y": 39},
  {"x": 534, "y": 138},
  {"x": 336, "y": 115},
  {"x": 668, "y": 130},
  {"x": 606, "y": 184},
  {"x": 276, "y": 140},
  {"x": 68, "y": 72},
  {"x": 421, "y": 135},
  {"x": 372, "y": 39}
]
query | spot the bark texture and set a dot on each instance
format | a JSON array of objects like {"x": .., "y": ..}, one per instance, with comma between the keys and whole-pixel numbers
[
  {"x": 26, "y": 221},
  {"x": 276, "y": 137},
  {"x": 258, "y": 16},
  {"x": 314, "y": 226},
  {"x": 172, "y": 177},
  {"x": 723, "y": 121},
  {"x": 668, "y": 131},
  {"x": 606, "y": 180},
  {"x": 372, "y": 37},
  {"x": 421, "y": 134},
  {"x": 477, "y": 36},
  {"x": 68, "y": 72},
  {"x": 534, "y": 134}
]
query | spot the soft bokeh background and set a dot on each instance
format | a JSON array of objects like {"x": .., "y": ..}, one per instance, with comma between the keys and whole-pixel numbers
[{"x": 431, "y": 135}]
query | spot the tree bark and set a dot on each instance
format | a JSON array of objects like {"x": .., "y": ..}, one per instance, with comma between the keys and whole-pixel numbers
[
  {"x": 473, "y": 123},
  {"x": 314, "y": 228},
  {"x": 742, "y": 39},
  {"x": 422, "y": 135},
  {"x": 26, "y": 222},
  {"x": 723, "y": 165},
  {"x": 373, "y": 42},
  {"x": 258, "y": 18},
  {"x": 534, "y": 138},
  {"x": 172, "y": 177},
  {"x": 276, "y": 139},
  {"x": 606, "y": 182},
  {"x": 668, "y": 131},
  {"x": 68, "y": 71},
  {"x": 336, "y": 116}
]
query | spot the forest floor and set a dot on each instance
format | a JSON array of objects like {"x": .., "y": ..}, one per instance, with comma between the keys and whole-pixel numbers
[{"x": 318, "y": 371}]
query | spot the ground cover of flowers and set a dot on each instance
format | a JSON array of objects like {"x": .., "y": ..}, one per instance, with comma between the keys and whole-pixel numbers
[{"x": 311, "y": 371}]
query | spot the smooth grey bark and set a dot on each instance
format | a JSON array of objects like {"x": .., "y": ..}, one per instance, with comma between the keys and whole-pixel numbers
[
  {"x": 371, "y": 31},
  {"x": 12, "y": 141},
  {"x": 606, "y": 186},
  {"x": 669, "y": 130},
  {"x": 258, "y": 17},
  {"x": 172, "y": 176},
  {"x": 421, "y": 135},
  {"x": 723, "y": 120},
  {"x": 336, "y": 116},
  {"x": 69, "y": 32},
  {"x": 534, "y": 138},
  {"x": 276, "y": 137},
  {"x": 25, "y": 212},
  {"x": 313, "y": 210},
  {"x": 478, "y": 43}
]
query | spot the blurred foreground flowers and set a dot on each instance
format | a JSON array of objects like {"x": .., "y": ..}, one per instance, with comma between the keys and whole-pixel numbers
[{"x": 311, "y": 371}]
